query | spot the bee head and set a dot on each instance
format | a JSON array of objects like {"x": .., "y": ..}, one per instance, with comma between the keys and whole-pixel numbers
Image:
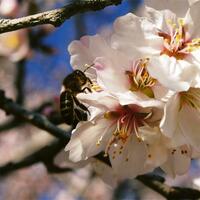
[{"x": 80, "y": 77}]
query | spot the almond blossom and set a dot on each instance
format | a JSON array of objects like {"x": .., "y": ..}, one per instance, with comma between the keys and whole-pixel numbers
[
  {"x": 171, "y": 42},
  {"x": 120, "y": 131}
]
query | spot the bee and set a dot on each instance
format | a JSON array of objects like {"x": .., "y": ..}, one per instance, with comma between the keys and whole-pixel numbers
[{"x": 72, "y": 110}]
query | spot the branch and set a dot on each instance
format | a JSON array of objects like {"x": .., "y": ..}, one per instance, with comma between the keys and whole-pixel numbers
[
  {"x": 36, "y": 119},
  {"x": 55, "y": 17},
  {"x": 45, "y": 155},
  {"x": 172, "y": 193},
  {"x": 55, "y": 118}
]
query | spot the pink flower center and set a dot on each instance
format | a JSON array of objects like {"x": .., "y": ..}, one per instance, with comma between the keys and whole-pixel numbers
[
  {"x": 127, "y": 120},
  {"x": 177, "y": 42}
]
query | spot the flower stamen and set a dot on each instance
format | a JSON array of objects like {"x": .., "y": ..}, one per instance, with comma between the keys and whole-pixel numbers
[
  {"x": 128, "y": 120},
  {"x": 140, "y": 79},
  {"x": 191, "y": 98},
  {"x": 177, "y": 42}
]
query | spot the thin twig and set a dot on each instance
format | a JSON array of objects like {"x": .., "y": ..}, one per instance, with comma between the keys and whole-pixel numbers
[
  {"x": 20, "y": 81},
  {"x": 55, "y": 17}
]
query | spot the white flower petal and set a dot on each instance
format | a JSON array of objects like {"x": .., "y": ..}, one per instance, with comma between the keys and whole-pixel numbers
[
  {"x": 137, "y": 99},
  {"x": 170, "y": 119},
  {"x": 101, "y": 100},
  {"x": 189, "y": 122},
  {"x": 178, "y": 161},
  {"x": 159, "y": 18},
  {"x": 135, "y": 36},
  {"x": 174, "y": 74},
  {"x": 156, "y": 145},
  {"x": 83, "y": 143},
  {"x": 80, "y": 54},
  {"x": 111, "y": 72},
  {"x": 130, "y": 162}
]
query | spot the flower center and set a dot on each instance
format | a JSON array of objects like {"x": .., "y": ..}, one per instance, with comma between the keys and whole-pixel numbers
[
  {"x": 140, "y": 80},
  {"x": 191, "y": 98},
  {"x": 127, "y": 120},
  {"x": 177, "y": 42}
]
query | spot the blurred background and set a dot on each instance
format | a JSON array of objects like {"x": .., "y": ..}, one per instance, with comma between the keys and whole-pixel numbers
[{"x": 33, "y": 63}]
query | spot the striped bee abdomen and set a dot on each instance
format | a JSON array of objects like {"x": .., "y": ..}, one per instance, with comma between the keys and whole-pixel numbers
[
  {"x": 72, "y": 111},
  {"x": 67, "y": 107}
]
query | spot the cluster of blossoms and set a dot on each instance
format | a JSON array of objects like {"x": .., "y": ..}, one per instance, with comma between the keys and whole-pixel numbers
[{"x": 145, "y": 104}]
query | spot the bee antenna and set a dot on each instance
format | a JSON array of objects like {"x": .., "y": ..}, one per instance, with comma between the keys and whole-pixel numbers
[{"x": 88, "y": 67}]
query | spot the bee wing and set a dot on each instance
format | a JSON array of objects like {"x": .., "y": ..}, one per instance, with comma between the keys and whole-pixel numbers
[{"x": 80, "y": 110}]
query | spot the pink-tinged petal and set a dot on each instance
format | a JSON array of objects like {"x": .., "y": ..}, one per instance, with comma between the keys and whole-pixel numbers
[
  {"x": 129, "y": 161},
  {"x": 111, "y": 72},
  {"x": 86, "y": 51},
  {"x": 135, "y": 36},
  {"x": 89, "y": 138},
  {"x": 178, "y": 162},
  {"x": 101, "y": 100},
  {"x": 126, "y": 28},
  {"x": 80, "y": 54},
  {"x": 155, "y": 16},
  {"x": 169, "y": 123},
  {"x": 174, "y": 74},
  {"x": 159, "y": 18},
  {"x": 189, "y": 123}
]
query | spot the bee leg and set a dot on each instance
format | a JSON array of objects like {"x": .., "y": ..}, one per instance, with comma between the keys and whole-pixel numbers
[
  {"x": 82, "y": 106},
  {"x": 86, "y": 88},
  {"x": 80, "y": 115}
]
